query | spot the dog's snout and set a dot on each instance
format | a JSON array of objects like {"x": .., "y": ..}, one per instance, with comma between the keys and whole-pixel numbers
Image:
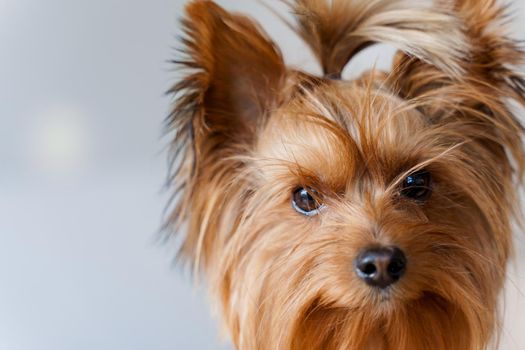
[{"x": 380, "y": 267}]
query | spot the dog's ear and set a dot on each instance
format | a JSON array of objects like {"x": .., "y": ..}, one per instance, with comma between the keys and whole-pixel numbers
[
  {"x": 494, "y": 61},
  {"x": 234, "y": 75},
  {"x": 336, "y": 30},
  {"x": 492, "y": 75},
  {"x": 237, "y": 73}
]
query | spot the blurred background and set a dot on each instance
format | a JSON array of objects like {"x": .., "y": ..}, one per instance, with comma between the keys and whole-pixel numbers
[{"x": 82, "y": 168}]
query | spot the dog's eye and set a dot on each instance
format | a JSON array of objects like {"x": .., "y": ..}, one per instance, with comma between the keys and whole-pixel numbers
[
  {"x": 417, "y": 186},
  {"x": 305, "y": 201}
]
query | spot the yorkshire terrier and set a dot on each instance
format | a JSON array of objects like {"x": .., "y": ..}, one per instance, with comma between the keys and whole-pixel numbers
[{"x": 366, "y": 214}]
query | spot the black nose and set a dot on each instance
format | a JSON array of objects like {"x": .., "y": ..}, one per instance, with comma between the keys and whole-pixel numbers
[{"x": 380, "y": 267}]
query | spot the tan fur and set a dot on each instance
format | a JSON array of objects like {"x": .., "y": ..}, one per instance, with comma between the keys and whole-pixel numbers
[{"x": 248, "y": 131}]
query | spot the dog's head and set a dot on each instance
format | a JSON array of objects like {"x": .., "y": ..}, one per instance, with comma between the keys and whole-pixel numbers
[{"x": 351, "y": 214}]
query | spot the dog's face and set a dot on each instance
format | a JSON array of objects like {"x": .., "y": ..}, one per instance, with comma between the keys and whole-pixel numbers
[
  {"x": 340, "y": 180},
  {"x": 331, "y": 214}
]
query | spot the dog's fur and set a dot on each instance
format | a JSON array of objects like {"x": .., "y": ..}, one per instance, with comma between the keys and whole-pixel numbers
[{"x": 248, "y": 131}]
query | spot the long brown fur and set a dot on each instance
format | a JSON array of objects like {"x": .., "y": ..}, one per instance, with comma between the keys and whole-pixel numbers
[{"x": 248, "y": 131}]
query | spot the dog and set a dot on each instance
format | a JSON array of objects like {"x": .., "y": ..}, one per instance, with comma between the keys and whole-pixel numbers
[{"x": 373, "y": 213}]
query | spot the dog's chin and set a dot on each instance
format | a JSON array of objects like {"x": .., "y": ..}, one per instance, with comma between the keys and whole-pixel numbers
[{"x": 426, "y": 320}]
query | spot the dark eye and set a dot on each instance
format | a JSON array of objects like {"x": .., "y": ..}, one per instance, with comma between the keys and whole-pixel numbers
[
  {"x": 305, "y": 201},
  {"x": 417, "y": 186}
]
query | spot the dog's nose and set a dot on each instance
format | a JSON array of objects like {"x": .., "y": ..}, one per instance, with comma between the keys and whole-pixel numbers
[{"x": 380, "y": 267}]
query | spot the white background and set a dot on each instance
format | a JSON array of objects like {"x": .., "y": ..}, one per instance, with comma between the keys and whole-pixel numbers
[{"x": 82, "y": 164}]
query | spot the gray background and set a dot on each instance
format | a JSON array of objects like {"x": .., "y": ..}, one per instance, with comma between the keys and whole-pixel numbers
[{"x": 82, "y": 164}]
